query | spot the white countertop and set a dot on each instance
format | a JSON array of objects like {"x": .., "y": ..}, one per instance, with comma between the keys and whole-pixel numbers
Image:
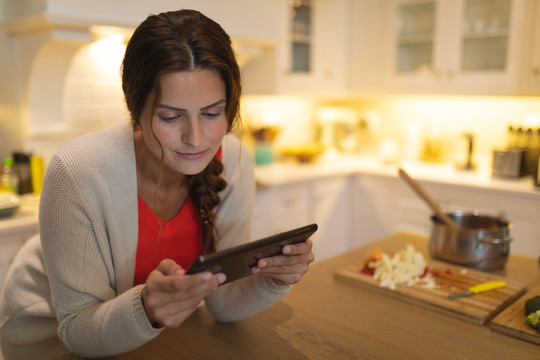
[
  {"x": 24, "y": 219},
  {"x": 444, "y": 173}
]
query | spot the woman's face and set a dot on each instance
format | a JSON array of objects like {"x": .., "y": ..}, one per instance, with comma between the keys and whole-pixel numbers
[{"x": 190, "y": 120}]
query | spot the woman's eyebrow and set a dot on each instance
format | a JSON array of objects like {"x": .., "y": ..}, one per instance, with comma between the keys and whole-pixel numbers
[
  {"x": 214, "y": 104},
  {"x": 169, "y": 107}
]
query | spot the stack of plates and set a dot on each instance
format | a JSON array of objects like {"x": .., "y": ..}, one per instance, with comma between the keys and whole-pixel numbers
[{"x": 9, "y": 203}]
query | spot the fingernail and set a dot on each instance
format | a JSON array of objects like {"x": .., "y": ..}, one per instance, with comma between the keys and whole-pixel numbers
[
  {"x": 286, "y": 249},
  {"x": 221, "y": 278},
  {"x": 206, "y": 276},
  {"x": 262, "y": 263}
]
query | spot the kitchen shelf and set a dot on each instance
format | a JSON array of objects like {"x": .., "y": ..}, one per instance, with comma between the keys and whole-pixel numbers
[
  {"x": 485, "y": 34},
  {"x": 415, "y": 38}
]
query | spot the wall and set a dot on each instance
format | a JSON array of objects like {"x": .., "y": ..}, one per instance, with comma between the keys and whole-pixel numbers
[
  {"x": 390, "y": 117},
  {"x": 486, "y": 117}
]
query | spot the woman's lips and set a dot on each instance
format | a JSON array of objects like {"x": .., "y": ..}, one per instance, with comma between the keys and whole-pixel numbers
[{"x": 192, "y": 156}]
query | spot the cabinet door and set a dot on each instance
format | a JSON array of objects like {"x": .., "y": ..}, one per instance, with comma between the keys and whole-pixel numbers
[
  {"x": 315, "y": 55},
  {"x": 530, "y": 77},
  {"x": 332, "y": 205},
  {"x": 414, "y": 215},
  {"x": 262, "y": 217},
  {"x": 414, "y": 59},
  {"x": 455, "y": 46},
  {"x": 523, "y": 213},
  {"x": 311, "y": 58},
  {"x": 289, "y": 207},
  {"x": 490, "y": 46},
  {"x": 374, "y": 208}
]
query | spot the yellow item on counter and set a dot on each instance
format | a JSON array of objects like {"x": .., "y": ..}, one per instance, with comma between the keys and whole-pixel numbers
[{"x": 37, "y": 170}]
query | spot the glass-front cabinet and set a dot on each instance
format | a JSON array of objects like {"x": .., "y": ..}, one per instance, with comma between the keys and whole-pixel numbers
[
  {"x": 300, "y": 36},
  {"x": 454, "y": 46},
  {"x": 314, "y": 56}
]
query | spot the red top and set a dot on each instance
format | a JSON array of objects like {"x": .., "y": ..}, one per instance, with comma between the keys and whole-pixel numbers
[{"x": 180, "y": 239}]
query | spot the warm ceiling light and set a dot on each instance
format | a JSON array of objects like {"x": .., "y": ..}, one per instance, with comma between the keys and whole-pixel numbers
[{"x": 112, "y": 33}]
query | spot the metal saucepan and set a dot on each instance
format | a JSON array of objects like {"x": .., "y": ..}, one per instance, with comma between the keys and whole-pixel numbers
[{"x": 481, "y": 242}]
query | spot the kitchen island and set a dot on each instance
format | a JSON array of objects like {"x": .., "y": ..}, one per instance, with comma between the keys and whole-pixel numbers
[{"x": 322, "y": 318}]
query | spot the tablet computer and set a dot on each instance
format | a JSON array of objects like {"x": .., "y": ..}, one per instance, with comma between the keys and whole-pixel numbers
[{"x": 236, "y": 262}]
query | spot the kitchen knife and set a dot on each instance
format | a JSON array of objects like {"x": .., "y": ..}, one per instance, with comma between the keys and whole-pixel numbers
[{"x": 490, "y": 285}]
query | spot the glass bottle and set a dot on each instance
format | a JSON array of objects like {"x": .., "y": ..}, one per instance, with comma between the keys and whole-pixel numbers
[{"x": 9, "y": 181}]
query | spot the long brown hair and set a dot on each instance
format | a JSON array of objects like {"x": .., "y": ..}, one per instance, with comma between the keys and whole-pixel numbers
[{"x": 183, "y": 40}]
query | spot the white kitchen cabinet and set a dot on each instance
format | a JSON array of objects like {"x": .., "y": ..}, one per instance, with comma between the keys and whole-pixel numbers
[
  {"x": 385, "y": 205},
  {"x": 326, "y": 201},
  {"x": 332, "y": 211},
  {"x": 290, "y": 207},
  {"x": 522, "y": 211},
  {"x": 260, "y": 24},
  {"x": 312, "y": 56},
  {"x": 453, "y": 46},
  {"x": 374, "y": 197},
  {"x": 280, "y": 208},
  {"x": 530, "y": 77},
  {"x": 524, "y": 214}
]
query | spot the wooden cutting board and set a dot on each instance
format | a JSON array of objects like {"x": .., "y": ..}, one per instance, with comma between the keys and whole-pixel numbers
[
  {"x": 477, "y": 308},
  {"x": 512, "y": 321}
]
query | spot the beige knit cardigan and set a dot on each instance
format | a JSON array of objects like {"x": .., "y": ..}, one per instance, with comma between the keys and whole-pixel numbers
[{"x": 88, "y": 228}]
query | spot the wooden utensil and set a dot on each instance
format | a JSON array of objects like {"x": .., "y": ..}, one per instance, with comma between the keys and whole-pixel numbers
[{"x": 431, "y": 203}]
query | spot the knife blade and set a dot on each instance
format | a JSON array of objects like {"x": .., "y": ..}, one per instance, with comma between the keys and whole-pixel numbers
[{"x": 490, "y": 285}]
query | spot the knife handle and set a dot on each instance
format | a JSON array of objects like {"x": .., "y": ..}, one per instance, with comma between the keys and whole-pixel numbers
[{"x": 490, "y": 285}]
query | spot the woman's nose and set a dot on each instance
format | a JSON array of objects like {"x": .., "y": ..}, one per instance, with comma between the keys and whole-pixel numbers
[{"x": 192, "y": 133}]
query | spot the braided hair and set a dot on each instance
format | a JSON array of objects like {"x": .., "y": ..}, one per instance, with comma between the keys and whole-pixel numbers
[{"x": 175, "y": 41}]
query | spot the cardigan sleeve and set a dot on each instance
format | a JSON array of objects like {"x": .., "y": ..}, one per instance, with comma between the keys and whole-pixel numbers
[
  {"x": 248, "y": 296},
  {"x": 94, "y": 319}
]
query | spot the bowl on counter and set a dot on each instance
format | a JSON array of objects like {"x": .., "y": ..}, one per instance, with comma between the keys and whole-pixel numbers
[
  {"x": 9, "y": 203},
  {"x": 305, "y": 153},
  {"x": 480, "y": 242}
]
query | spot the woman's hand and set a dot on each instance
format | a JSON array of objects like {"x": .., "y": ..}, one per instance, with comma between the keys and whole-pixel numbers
[
  {"x": 170, "y": 296},
  {"x": 288, "y": 268}
]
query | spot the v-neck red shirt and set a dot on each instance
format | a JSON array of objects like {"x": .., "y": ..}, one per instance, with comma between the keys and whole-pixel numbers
[{"x": 180, "y": 239}]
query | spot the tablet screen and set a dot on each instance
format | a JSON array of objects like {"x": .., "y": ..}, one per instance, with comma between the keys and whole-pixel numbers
[{"x": 236, "y": 262}]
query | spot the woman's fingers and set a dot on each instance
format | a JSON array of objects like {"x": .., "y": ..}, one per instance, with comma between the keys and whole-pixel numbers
[
  {"x": 289, "y": 267},
  {"x": 169, "y": 294}
]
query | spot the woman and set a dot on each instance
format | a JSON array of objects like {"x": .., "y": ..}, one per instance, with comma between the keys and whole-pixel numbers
[{"x": 124, "y": 211}]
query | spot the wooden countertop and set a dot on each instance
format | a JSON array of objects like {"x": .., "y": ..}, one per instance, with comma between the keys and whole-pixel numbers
[{"x": 322, "y": 318}]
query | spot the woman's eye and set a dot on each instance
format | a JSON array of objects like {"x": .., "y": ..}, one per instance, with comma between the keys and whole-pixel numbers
[
  {"x": 168, "y": 118},
  {"x": 212, "y": 114}
]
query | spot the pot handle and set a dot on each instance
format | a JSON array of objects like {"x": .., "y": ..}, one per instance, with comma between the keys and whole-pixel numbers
[{"x": 496, "y": 241}]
